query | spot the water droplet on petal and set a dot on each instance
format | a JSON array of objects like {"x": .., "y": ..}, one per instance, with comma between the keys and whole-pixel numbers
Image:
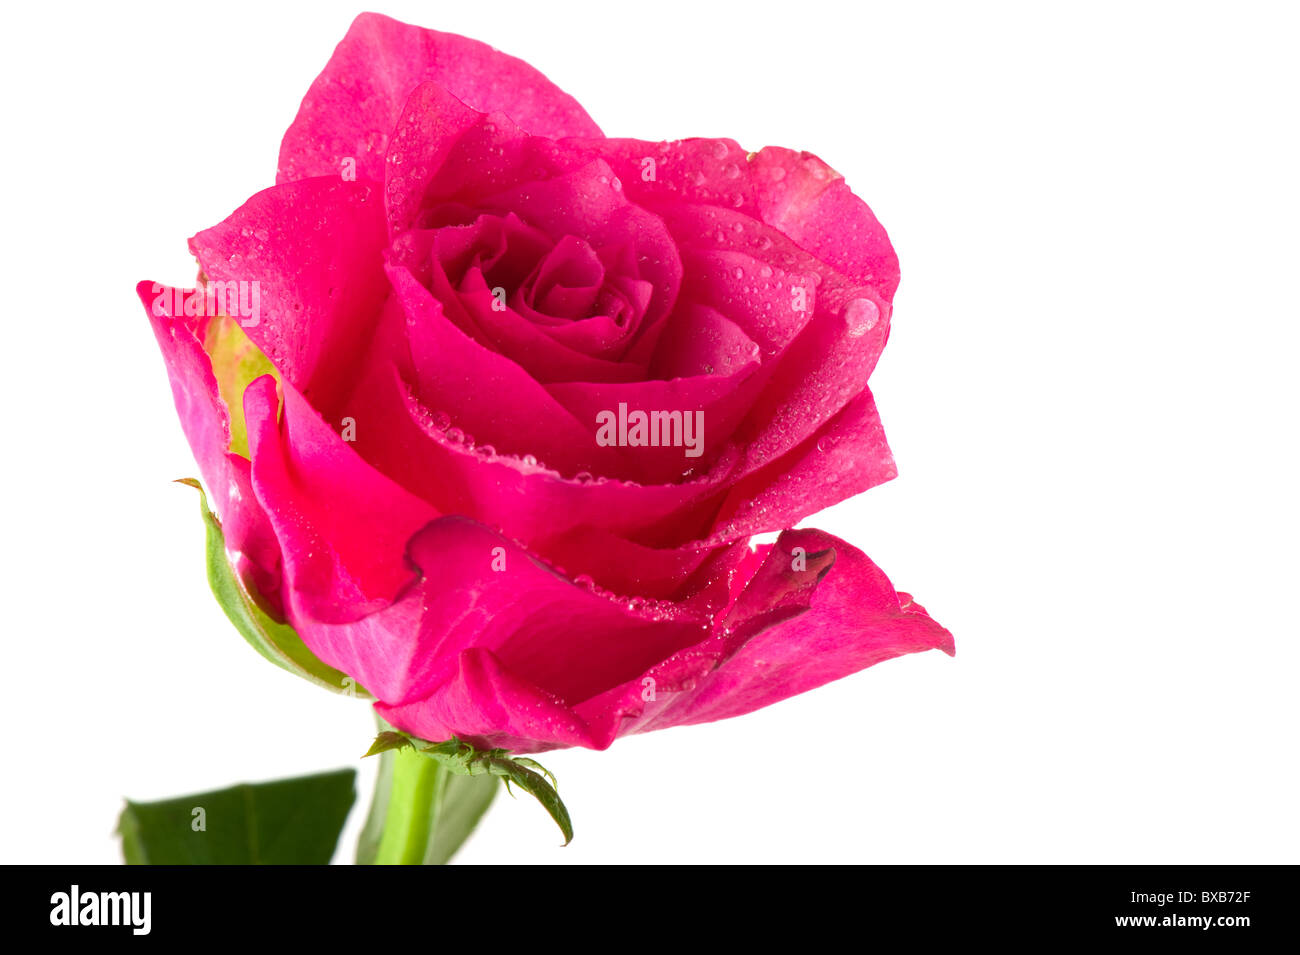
[{"x": 861, "y": 316}]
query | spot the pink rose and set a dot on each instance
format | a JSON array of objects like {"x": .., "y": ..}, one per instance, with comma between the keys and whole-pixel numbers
[{"x": 490, "y": 405}]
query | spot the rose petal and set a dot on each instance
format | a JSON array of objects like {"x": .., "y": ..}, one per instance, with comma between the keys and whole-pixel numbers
[
  {"x": 442, "y": 150},
  {"x": 530, "y": 500},
  {"x": 340, "y": 522},
  {"x": 794, "y": 627},
  {"x": 206, "y": 423},
  {"x": 312, "y": 252},
  {"x": 480, "y": 592},
  {"x": 847, "y": 456},
  {"x": 701, "y": 171},
  {"x": 355, "y": 102},
  {"x": 855, "y": 620},
  {"x": 810, "y": 202},
  {"x": 487, "y": 706},
  {"x": 710, "y": 406},
  {"x": 702, "y": 341}
]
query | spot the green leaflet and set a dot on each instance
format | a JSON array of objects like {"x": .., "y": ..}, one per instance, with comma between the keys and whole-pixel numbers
[
  {"x": 286, "y": 822},
  {"x": 274, "y": 640}
]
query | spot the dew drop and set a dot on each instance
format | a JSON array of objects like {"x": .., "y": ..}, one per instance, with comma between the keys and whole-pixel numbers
[{"x": 861, "y": 317}]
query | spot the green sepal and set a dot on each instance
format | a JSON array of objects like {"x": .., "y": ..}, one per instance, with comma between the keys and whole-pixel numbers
[
  {"x": 387, "y": 740},
  {"x": 462, "y": 759},
  {"x": 421, "y": 813},
  {"x": 276, "y": 641}
]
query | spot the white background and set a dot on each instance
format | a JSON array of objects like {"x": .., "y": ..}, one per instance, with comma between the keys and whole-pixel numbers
[{"x": 1090, "y": 390}]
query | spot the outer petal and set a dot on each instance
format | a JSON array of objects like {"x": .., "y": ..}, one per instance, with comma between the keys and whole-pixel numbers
[
  {"x": 206, "y": 423},
  {"x": 355, "y": 102},
  {"x": 792, "y": 627},
  {"x": 442, "y": 148},
  {"x": 847, "y": 456},
  {"x": 493, "y": 643},
  {"x": 488, "y": 705},
  {"x": 810, "y": 202},
  {"x": 698, "y": 171},
  {"x": 793, "y": 192},
  {"x": 342, "y": 525},
  {"x": 710, "y": 405},
  {"x": 312, "y": 250},
  {"x": 838, "y": 335}
]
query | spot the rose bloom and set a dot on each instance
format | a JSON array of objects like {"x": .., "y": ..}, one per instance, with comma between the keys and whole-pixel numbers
[{"x": 490, "y": 405}]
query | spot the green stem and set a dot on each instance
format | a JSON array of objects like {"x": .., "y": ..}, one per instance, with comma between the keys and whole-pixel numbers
[{"x": 414, "y": 801}]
